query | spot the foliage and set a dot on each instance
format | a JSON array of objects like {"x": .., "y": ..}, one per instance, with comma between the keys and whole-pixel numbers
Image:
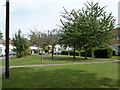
[
  {"x": 64, "y": 52},
  {"x": 53, "y": 39},
  {"x": 39, "y": 39},
  {"x": 36, "y": 51},
  {"x": 1, "y": 35},
  {"x": 77, "y": 53},
  {"x": 103, "y": 53},
  {"x": 89, "y": 27},
  {"x": 22, "y": 47},
  {"x": 46, "y": 50}
]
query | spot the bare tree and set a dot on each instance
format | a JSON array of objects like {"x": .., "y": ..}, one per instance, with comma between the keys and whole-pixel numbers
[
  {"x": 53, "y": 38},
  {"x": 39, "y": 39}
]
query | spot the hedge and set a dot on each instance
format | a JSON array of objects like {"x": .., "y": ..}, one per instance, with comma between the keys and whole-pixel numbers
[
  {"x": 89, "y": 53},
  {"x": 71, "y": 52},
  {"x": 103, "y": 53},
  {"x": 35, "y": 51},
  {"x": 64, "y": 52},
  {"x": 77, "y": 53}
]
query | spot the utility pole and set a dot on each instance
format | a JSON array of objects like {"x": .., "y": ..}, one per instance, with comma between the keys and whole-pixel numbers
[{"x": 7, "y": 41}]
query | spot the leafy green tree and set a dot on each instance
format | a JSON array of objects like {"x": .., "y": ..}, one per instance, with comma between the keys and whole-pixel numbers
[
  {"x": 89, "y": 27},
  {"x": 21, "y": 45},
  {"x": 1, "y": 35},
  {"x": 68, "y": 29}
]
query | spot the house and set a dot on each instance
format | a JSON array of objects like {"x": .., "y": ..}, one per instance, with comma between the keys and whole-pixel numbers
[
  {"x": 2, "y": 47},
  {"x": 115, "y": 44},
  {"x": 11, "y": 47}
]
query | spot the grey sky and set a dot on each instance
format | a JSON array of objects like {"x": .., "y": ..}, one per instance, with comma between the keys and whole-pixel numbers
[{"x": 44, "y": 14}]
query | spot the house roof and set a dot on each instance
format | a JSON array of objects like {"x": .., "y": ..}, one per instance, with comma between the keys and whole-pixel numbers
[{"x": 3, "y": 42}]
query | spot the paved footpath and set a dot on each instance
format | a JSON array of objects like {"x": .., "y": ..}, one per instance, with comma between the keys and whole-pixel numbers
[{"x": 62, "y": 64}]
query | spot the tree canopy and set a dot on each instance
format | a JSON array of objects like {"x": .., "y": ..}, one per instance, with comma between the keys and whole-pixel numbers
[{"x": 88, "y": 27}]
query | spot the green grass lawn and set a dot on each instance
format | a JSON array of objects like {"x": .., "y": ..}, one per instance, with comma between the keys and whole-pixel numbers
[
  {"x": 104, "y": 75},
  {"x": 33, "y": 60},
  {"x": 116, "y": 57}
]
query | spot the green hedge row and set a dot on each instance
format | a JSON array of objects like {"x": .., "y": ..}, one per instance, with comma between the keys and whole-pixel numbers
[
  {"x": 99, "y": 53},
  {"x": 103, "y": 53},
  {"x": 70, "y": 53}
]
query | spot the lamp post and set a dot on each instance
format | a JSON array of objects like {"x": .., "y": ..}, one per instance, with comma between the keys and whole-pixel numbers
[{"x": 7, "y": 41}]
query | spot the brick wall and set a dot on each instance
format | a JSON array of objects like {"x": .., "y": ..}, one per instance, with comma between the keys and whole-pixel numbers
[{"x": 116, "y": 31}]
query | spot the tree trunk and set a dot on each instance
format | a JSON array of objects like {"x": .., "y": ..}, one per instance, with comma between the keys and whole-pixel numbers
[
  {"x": 74, "y": 50},
  {"x": 38, "y": 50},
  {"x": 48, "y": 49},
  {"x": 93, "y": 56},
  {"x": 86, "y": 53},
  {"x": 42, "y": 56},
  {"x": 52, "y": 51}
]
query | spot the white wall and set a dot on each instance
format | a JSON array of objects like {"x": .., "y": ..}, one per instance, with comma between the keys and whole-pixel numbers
[{"x": 115, "y": 48}]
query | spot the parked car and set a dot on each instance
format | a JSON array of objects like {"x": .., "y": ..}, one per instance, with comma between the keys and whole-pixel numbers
[
  {"x": 14, "y": 53},
  {"x": 40, "y": 53}
]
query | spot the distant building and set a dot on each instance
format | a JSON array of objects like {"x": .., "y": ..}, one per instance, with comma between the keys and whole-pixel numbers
[
  {"x": 115, "y": 44},
  {"x": 11, "y": 47}
]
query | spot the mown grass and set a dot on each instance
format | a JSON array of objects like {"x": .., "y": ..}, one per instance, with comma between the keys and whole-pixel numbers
[
  {"x": 36, "y": 60},
  {"x": 104, "y": 75},
  {"x": 116, "y": 57}
]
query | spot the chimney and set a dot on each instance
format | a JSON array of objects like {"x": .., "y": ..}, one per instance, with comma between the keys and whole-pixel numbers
[{"x": 119, "y": 14}]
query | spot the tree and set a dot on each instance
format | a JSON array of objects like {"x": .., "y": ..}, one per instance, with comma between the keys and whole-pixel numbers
[
  {"x": 22, "y": 47},
  {"x": 91, "y": 26},
  {"x": 1, "y": 35},
  {"x": 96, "y": 26},
  {"x": 68, "y": 29},
  {"x": 39, "y": 39},
  {"x": 53, "y": 39}
]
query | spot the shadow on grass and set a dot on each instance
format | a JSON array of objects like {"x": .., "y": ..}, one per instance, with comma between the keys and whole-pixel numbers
[
  {"x": 64, "y": 58},
  {"x": 59, "y": 78}
]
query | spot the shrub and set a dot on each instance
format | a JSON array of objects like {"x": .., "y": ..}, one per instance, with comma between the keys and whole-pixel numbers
[
  {"x": 46, "y": 50},
  {"x": 89, "y": 53},
  {"x": 22, "y": 46},
  {"x": 64, "y": 52},
  {"x": 35, "y": 51},
  {"x": 103, "y": 53},
  {"x": 77, "y": 53}
]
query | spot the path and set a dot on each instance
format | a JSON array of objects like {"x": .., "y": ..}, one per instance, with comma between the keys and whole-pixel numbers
[{"x": 63, "y": 64}]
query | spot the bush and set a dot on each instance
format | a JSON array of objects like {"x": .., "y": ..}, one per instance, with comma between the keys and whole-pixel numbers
[
  {"x": 103, "y": 53},
  {"x": 35, "y": 51},
  {"x": 77, "y": 53},
  {"x": 82, "y": 53},
  {"x": 89, "y": 53},
  {"x": 46, "y": 50},
  {"x": 64, "y": 52}
]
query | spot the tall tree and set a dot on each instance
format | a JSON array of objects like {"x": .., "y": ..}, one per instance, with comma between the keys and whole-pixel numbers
[
  {"x": 91, "y": 26},
  {"x": 68, "y": 29},
  {"x": 22, "y": 47}
]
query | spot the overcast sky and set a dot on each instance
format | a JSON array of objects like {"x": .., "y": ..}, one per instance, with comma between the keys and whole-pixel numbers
[{"x": 44, "y": 14}]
